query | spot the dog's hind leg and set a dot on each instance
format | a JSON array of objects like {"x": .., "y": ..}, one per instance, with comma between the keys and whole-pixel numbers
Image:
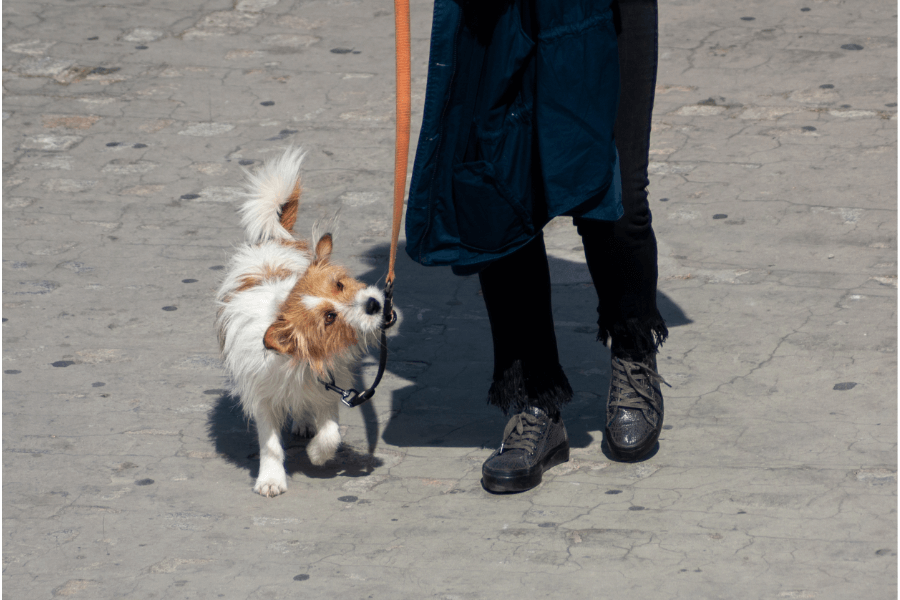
[
  {"x": 272, "y": 479},
  {"x": 303, "y": 425}
]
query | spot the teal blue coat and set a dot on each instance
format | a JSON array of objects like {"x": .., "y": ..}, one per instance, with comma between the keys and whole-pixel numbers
[{"x": 520, "y": 104}]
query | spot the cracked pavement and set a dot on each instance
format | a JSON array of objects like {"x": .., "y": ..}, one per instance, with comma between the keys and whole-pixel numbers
[{"x": 127, "y": 470}]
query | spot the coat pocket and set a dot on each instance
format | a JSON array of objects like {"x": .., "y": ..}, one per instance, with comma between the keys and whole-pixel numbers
[{"x": 489, "y": 218}]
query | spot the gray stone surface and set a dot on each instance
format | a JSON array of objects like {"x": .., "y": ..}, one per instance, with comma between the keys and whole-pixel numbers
[{"x": 127, "y": 471}]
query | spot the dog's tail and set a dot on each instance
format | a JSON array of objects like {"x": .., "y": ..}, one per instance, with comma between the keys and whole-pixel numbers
[{"x": 273, "y": 198}]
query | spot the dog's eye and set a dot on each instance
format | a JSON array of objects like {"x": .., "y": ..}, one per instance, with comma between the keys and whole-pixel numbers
[
  {"x": 330, "y": 317},
  {"x": 340, "y": 286}
]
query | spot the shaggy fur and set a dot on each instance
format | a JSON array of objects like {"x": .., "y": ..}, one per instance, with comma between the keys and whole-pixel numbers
[{"x": 288, "y": 317}]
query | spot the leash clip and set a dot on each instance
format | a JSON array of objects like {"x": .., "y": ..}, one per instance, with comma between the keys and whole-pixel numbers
[{"x": 351, "y": 397}]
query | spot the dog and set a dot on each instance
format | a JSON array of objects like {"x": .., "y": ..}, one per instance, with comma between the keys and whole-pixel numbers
[{"x": 288, "y": 320}]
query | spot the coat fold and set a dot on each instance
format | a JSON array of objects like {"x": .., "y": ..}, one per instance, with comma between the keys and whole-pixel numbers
[{"x": 520, "y": 105}]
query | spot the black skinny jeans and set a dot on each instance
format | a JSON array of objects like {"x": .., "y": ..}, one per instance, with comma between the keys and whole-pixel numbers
[{"x": 621, "y": 255}]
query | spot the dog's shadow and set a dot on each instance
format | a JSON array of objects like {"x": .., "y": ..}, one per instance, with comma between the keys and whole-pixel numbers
[{"x": 234, "y": 436}]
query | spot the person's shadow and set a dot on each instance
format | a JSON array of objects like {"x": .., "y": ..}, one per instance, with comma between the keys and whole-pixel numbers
[{"x": 443, "y": 354}]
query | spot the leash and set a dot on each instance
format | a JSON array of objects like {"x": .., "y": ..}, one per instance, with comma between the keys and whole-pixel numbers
[{"x": 351, "y": 397}]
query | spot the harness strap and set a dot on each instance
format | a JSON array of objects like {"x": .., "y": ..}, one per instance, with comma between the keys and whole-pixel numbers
[{"x": 351, "y": 397}]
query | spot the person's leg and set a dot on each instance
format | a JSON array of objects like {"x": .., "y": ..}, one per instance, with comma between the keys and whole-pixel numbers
[
  {"x": 516, "y": 290},
  {"x": 622, "y": 255},
  {"x": 528, "y": 380}
]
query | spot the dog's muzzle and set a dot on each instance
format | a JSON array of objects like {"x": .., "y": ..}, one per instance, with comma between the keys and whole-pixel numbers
[{"x": 373, "y": 306}]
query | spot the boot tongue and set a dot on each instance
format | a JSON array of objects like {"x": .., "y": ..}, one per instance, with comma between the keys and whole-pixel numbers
[{"x": 534, "y": 411}]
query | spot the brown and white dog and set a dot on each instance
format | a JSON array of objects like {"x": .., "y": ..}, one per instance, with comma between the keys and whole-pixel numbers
[{"x": 287, "y": 319}]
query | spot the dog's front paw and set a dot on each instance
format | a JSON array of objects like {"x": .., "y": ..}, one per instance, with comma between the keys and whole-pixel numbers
[
  {"x": 322, "y": 447},
  {"x": 272, "y": 479},
  {"x": 319, "y": 454},
  {"x": 270, "y": 487}
]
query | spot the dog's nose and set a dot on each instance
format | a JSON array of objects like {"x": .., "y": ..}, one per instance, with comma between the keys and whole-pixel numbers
[{"x": 372, "y": 306}]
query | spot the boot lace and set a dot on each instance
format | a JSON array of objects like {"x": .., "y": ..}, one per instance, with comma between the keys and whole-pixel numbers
[
  {"x": 522, "y": 432},
  {"x": 639, "y": 378}
]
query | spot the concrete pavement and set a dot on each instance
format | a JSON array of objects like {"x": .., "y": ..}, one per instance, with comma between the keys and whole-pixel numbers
[{"x": 127, "y": 470}]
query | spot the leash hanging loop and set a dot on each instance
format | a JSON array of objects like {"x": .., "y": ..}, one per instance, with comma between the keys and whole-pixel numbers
[{"x": 351, "y": 397}]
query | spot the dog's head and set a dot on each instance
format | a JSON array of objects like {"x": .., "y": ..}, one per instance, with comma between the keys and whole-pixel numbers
[{"x": 327, "y": 315}]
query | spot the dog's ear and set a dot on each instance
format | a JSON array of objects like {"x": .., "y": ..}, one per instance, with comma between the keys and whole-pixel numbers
[
  {"x": 323, "y": 248},
  {"x": 280, "y": 338}
]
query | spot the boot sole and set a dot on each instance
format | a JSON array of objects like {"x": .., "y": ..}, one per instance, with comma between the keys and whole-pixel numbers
[{"x": 521, "y": 483}]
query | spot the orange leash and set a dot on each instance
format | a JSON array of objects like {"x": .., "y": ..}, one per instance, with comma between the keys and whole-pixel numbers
[
  {"x": 404, "y": 102},
  {"x": 351, "y": 397}
]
